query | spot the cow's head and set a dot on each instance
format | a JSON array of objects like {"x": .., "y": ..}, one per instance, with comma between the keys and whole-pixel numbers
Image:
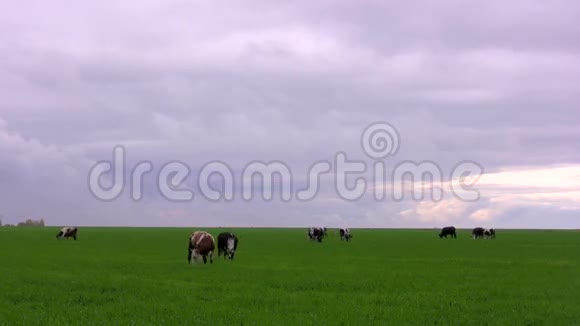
[
  {"x": 230, "y": 247},
  {"x": 195, "y": 255},
  {"x": 59, "y": 235}
]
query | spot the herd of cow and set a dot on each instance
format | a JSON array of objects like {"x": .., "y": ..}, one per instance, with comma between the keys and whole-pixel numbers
[
  {"x": 315, "y": 233},
  {"x": 201, "y": 244},
  {"x": 477, "y": 233}
]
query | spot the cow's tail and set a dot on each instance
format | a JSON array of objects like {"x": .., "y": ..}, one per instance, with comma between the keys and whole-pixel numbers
[
  {"x": 189, "y": 251},
  {"x": 212, "y": 249}
]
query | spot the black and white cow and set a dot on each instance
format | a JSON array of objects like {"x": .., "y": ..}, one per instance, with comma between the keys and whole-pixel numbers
[
  {"x": 227, "y": 244},
  {"x": 345, "y": 234},
  {"x": 67, "y": 232},
  {"x": 317, "y": 234},
  {"x": 489, "y": 233},
  {"x": 478, "y": 233},
  {"x": 448, "y": 230}
]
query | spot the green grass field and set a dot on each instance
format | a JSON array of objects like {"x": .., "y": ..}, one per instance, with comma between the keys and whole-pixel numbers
[{"x": 140, "y": 276}]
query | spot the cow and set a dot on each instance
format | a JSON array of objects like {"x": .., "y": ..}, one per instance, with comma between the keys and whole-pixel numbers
[
  {"x": 67, "y": 232},
  {"x": 227, "y": 244},
  {"x": 478, "y": 233},
  {"x": 201, "y": 244},
  {"x": 315, "y": 233},
  {"x": 345, "y": 234},
  {"x": 448, "y": 230},
  {"x": 489, "y": 233}
]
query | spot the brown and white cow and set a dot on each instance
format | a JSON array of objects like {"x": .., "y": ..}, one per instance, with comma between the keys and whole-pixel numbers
[
  {"x": 201, "y": 244},
  {"x": 67, "y": 232}
]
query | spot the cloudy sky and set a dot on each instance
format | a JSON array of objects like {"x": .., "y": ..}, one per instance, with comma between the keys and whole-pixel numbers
[{"x": 496, "y": 83}]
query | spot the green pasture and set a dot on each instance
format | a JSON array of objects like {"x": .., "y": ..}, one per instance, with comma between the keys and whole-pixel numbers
[{"x": 140, "y": 276}]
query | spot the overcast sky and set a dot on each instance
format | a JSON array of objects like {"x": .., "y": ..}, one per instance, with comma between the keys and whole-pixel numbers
[{"x": 493, "y": 82}]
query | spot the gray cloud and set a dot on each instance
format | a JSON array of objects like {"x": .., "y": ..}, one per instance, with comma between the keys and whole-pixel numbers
[{"x": 492, "y": 82}]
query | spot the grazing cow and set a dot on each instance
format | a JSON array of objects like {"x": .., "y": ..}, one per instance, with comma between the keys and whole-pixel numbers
[
  {"x": 316, "y": 234},
  {"x": 227, "y": 244},
  {"x": 489, "y": 233},
  {"x": 345, "y": 234},
  {"x": 201, "y": 244},
  {"x": 478, "y": 233},
  {"x": 67, "y": 232},
  {"x": 448, "y": 230}
]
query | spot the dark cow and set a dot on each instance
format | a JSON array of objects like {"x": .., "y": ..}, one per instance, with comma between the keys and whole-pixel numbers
[
  {"x": 448, "y": 230},
  {"x": 478, "y": 233},
  {"x": 201, "y": 244},
  {"x": 227, "y": 244},
  {"x": 345, "y": 234},
  {"x": 316, "y": 234},
  {"x": 67, "y": 232}
]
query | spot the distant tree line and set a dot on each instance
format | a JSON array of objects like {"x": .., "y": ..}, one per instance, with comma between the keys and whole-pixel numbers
[{"x": 30, "y": 222}]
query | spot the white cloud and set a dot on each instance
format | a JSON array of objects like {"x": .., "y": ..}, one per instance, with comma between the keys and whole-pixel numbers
[{"x": 443, "y": 211}]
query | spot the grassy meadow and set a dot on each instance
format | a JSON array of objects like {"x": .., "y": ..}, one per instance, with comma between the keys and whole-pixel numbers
[{"x": 140, "y": 276}]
